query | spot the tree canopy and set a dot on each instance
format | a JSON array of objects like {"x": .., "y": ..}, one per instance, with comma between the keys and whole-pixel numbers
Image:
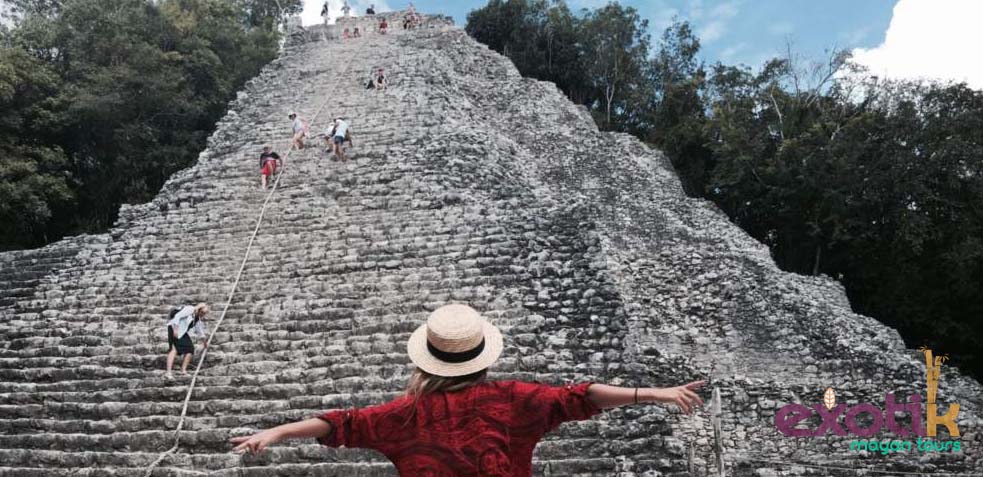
[{"x": 105, "y": 99}]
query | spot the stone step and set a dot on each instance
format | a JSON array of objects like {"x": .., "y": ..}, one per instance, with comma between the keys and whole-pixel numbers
[{"x": 217, "y": 441}]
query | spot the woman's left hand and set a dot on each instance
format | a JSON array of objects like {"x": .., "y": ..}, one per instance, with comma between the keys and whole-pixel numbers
[{"x": 684, "y": 396}]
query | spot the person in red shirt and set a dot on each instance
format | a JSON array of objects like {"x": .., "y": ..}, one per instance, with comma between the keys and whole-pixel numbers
[
  {"x": 452, "y": 421},
  {"x": 268, "y": 163}
]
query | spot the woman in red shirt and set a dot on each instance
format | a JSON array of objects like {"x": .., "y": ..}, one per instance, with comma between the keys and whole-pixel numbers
[{"x": 451, "y": 421}]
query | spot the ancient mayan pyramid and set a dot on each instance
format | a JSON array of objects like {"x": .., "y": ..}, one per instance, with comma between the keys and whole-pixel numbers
[{"x": 470, "y": 184}]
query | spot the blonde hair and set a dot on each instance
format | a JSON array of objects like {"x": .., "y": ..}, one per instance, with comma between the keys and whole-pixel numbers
[
  {"x": 422, "y": 383},
  {"x": 201, "y": 310}
]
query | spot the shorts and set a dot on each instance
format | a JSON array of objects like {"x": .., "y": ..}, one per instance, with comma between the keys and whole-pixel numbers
[
  {"x": 269, "y": 168},
  {"x": 184, "y": 345},
  {"x": 339, "y": 140}
]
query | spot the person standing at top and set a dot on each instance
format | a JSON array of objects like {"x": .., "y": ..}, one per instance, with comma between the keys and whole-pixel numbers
[
  {"x": 299, "y": 128},
  {"x": 269, "y": 162},
  {"x": 452, "y": 421},
  {"x": 339, "y": 133},
  {"x": 326, "y": 12},
  {"x": 346, "y": 10},
  {"x": 185, "y": 322},
  {"x": 370, "y": 10}
]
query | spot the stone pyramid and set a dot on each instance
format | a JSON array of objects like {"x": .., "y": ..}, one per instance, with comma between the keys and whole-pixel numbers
[{"x": 469, "y": 184}]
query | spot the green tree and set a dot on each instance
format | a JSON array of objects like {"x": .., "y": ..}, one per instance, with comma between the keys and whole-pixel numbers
[
  {"x": 676, "y": 109},
  {"x": 34, "y": 184},
  {"x": 540, "y": 37},
  {"x": 615, "y": 51},
  {"x": 138, "y": 85}
]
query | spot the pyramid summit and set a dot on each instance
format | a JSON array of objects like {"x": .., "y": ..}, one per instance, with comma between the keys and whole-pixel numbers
[{"x": 467, "y": 184}]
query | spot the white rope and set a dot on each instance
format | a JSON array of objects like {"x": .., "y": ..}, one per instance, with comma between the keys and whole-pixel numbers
[{"x": 235, "y": 286}]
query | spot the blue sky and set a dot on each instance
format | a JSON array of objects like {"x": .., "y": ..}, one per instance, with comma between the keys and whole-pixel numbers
[{"x": 742, "y": 31}]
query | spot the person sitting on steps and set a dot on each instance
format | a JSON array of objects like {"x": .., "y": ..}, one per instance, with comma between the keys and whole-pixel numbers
[
  {"x": 187, "y": 321},
  {"x": 451, "y": 419},
  {"x": 384, "y": 27},
  {"x": 346, "y": 34},
  {"x": 356, "y": 33},
  {"x": 269, "y": 162},
  {"x": 300, "y": 130},
  {"x": 336, "y": 137}
]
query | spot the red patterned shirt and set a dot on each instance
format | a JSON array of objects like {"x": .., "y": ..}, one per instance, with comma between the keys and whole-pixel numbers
[{"x": 487, "y": 430}]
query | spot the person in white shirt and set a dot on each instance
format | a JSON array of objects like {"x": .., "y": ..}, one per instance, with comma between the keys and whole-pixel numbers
[
  {"x": 336, "y": 137},
  {"x": 300, "y": 130},
  {"x": 185, "y": 323}
]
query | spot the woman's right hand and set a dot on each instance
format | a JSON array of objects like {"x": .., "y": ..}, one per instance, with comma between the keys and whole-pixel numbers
[{"x": 256, "y": 442}]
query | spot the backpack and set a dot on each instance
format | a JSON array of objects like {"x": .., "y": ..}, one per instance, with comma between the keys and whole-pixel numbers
[{"x": 174, "y": 311}]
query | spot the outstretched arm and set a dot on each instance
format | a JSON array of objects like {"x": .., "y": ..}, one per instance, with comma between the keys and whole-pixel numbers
[
  {"x": 255, "y": 443},
  {"x": 606, "y": 397}
]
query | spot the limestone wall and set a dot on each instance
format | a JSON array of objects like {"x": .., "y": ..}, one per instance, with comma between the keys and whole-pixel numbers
[{"x": 469, "y": 184}]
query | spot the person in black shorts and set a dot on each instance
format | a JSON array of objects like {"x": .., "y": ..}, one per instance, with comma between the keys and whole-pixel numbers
[
  {"x": 185, "y": 322},
  {"x": 380, "y": 79},
  {"x": 336, "y": 137}
]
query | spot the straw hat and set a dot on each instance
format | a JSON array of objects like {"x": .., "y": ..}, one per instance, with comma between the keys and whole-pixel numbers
[
  {"x": 455, "y": 341},
  {"x": 201, "y": 309}
]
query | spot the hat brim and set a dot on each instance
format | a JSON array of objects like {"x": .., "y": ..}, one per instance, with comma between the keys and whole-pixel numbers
[{"x": 421, "y": 357}]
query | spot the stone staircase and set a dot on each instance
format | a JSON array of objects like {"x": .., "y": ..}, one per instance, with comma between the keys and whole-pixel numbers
[{"x": 467, "y": 184}]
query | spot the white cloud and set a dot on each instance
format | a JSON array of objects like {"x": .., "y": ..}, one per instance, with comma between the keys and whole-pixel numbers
[
  {"x": 713, "y": 21},
  {"x": 712, "y": 31},
  {"x": 312, "y": 9},
  {"x": 696, "y": 9},
  {"x": 781, "y": 28},
  {"x": 660, "y": 16},
  {"x": 576, "y": 5},
  {"x": 937, "y": 39},
  {"x": 725, "y": 10},
  {"x": 730, "y": 52}
]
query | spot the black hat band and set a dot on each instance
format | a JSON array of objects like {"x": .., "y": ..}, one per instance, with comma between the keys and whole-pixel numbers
[{"x": 458, "y": 357}]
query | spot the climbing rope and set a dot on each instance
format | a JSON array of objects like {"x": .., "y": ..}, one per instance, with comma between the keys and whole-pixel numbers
[{"x": 235, "y": 286}]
